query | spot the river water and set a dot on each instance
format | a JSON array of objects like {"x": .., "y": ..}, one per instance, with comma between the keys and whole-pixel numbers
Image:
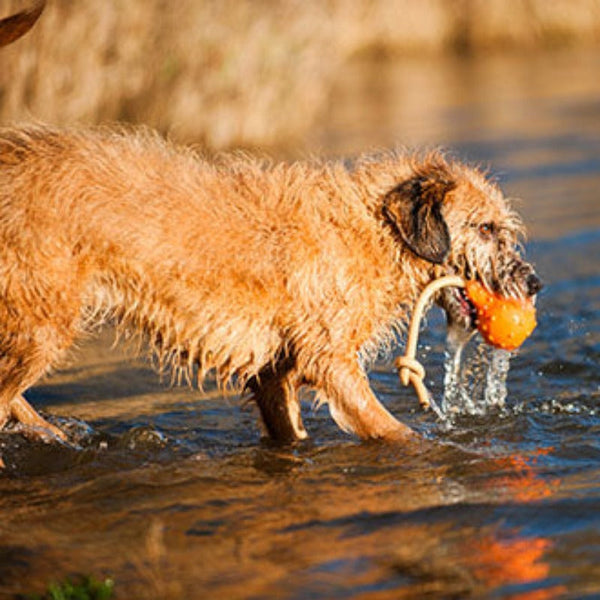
[{"x": 173, "y": 495}]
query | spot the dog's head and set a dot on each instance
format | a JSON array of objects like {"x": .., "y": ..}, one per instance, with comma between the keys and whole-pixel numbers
[{"x": 453, "y": 218}]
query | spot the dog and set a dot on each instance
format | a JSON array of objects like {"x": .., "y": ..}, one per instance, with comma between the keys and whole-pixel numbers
[{"x": 270, "y": 276}]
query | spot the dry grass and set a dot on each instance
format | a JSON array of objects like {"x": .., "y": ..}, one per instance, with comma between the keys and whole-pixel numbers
[
  {"x": 220, "y": 73},
  {"x": 244, "y": 72}
]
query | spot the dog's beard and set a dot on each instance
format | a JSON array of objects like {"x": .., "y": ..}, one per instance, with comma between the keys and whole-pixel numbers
[{"x": 461, "y": 315}]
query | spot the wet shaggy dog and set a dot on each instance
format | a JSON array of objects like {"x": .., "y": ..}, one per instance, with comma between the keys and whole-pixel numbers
[{"x": 272, "y": 276}]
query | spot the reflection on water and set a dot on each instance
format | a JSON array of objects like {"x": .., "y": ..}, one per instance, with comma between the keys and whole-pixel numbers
[{"x": 175, "y": 496}]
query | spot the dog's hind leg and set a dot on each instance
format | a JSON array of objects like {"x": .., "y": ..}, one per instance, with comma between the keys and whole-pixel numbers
[
  {"x": 20, "y": 410},
  {"x": 25, "y": 355},
  {"x": 274, "y": 390}
]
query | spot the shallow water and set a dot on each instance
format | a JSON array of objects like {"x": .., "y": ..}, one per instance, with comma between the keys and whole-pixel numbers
[
  {"x": 174, "y": 496},
  {"x": 474, "y": 381}
]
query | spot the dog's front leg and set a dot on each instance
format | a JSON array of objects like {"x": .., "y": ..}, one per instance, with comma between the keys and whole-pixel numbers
[
  {"x": 275, "y": 392},
  {"x": 355, "y": 408}
]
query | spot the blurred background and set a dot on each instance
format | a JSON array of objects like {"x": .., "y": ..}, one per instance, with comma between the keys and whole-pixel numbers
[{"x": 268, "y": 72}]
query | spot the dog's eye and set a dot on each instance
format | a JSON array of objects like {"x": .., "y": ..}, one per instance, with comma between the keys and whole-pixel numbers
[{"x": 486, "y": 230}]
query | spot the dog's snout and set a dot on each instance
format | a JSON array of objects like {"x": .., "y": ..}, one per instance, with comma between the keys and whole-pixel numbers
[{"x": 534, "y": 284}]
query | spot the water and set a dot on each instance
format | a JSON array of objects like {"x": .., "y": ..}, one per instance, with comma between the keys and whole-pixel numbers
[
  {"x": 174, "y": 496},
  {"x": 474, "y": 380}
]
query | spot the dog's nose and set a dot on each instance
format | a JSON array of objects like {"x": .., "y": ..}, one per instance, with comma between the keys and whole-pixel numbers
[{"x": 534, "y": 284}]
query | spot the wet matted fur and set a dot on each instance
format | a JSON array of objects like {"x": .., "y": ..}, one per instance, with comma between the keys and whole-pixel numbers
[{"x": 272, "y": 276}]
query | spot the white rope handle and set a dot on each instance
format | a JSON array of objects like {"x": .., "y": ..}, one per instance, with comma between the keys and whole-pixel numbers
[{"x": 410, "y": 369}]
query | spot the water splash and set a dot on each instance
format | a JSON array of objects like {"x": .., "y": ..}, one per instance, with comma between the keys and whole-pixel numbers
[{"x": 474, "y": 380}]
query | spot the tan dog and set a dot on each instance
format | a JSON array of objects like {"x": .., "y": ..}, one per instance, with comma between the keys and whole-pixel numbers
[{"x": 272, "y": 276}]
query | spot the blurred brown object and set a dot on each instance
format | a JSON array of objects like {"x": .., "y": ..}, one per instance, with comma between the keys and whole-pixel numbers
[{"x": 17, "y": 25}]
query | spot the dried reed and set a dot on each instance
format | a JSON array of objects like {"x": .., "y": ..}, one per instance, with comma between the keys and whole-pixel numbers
[{"x": 243, "y": 72}]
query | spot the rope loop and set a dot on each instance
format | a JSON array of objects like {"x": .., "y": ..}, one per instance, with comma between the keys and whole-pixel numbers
[{"x": 410, "y": 370}]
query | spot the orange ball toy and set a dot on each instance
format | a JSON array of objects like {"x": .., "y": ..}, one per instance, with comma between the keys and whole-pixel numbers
[{"x": 503, "y": 322}]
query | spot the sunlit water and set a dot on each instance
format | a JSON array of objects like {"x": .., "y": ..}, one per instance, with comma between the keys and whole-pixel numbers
[
  {"x": 474, "y": 381},
  {"x": 174, "y": 495}
]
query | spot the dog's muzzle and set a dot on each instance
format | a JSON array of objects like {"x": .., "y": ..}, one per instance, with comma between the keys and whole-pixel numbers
[
  {"x": 522, "y": 282},
  {"x": 533, "y": 284}
]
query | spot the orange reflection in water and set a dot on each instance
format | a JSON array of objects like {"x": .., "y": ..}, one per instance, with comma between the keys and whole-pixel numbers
[
  {"x": 520, "y": 480},
  {"x": 513, "y": 561},
  {"x": 510, "y": 559}
]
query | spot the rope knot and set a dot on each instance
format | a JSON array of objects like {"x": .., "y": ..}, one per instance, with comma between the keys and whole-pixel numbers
[{"x": 411, "y": 371}]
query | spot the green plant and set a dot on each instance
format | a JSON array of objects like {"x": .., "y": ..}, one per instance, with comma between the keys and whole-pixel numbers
[{"x": 85, "y": 588}]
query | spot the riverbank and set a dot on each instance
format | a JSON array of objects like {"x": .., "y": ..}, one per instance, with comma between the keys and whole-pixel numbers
[{"x": 242, "y": 73}]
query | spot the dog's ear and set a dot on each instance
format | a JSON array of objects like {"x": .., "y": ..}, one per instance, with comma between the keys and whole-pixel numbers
[{"x": 414, "y": 209}]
